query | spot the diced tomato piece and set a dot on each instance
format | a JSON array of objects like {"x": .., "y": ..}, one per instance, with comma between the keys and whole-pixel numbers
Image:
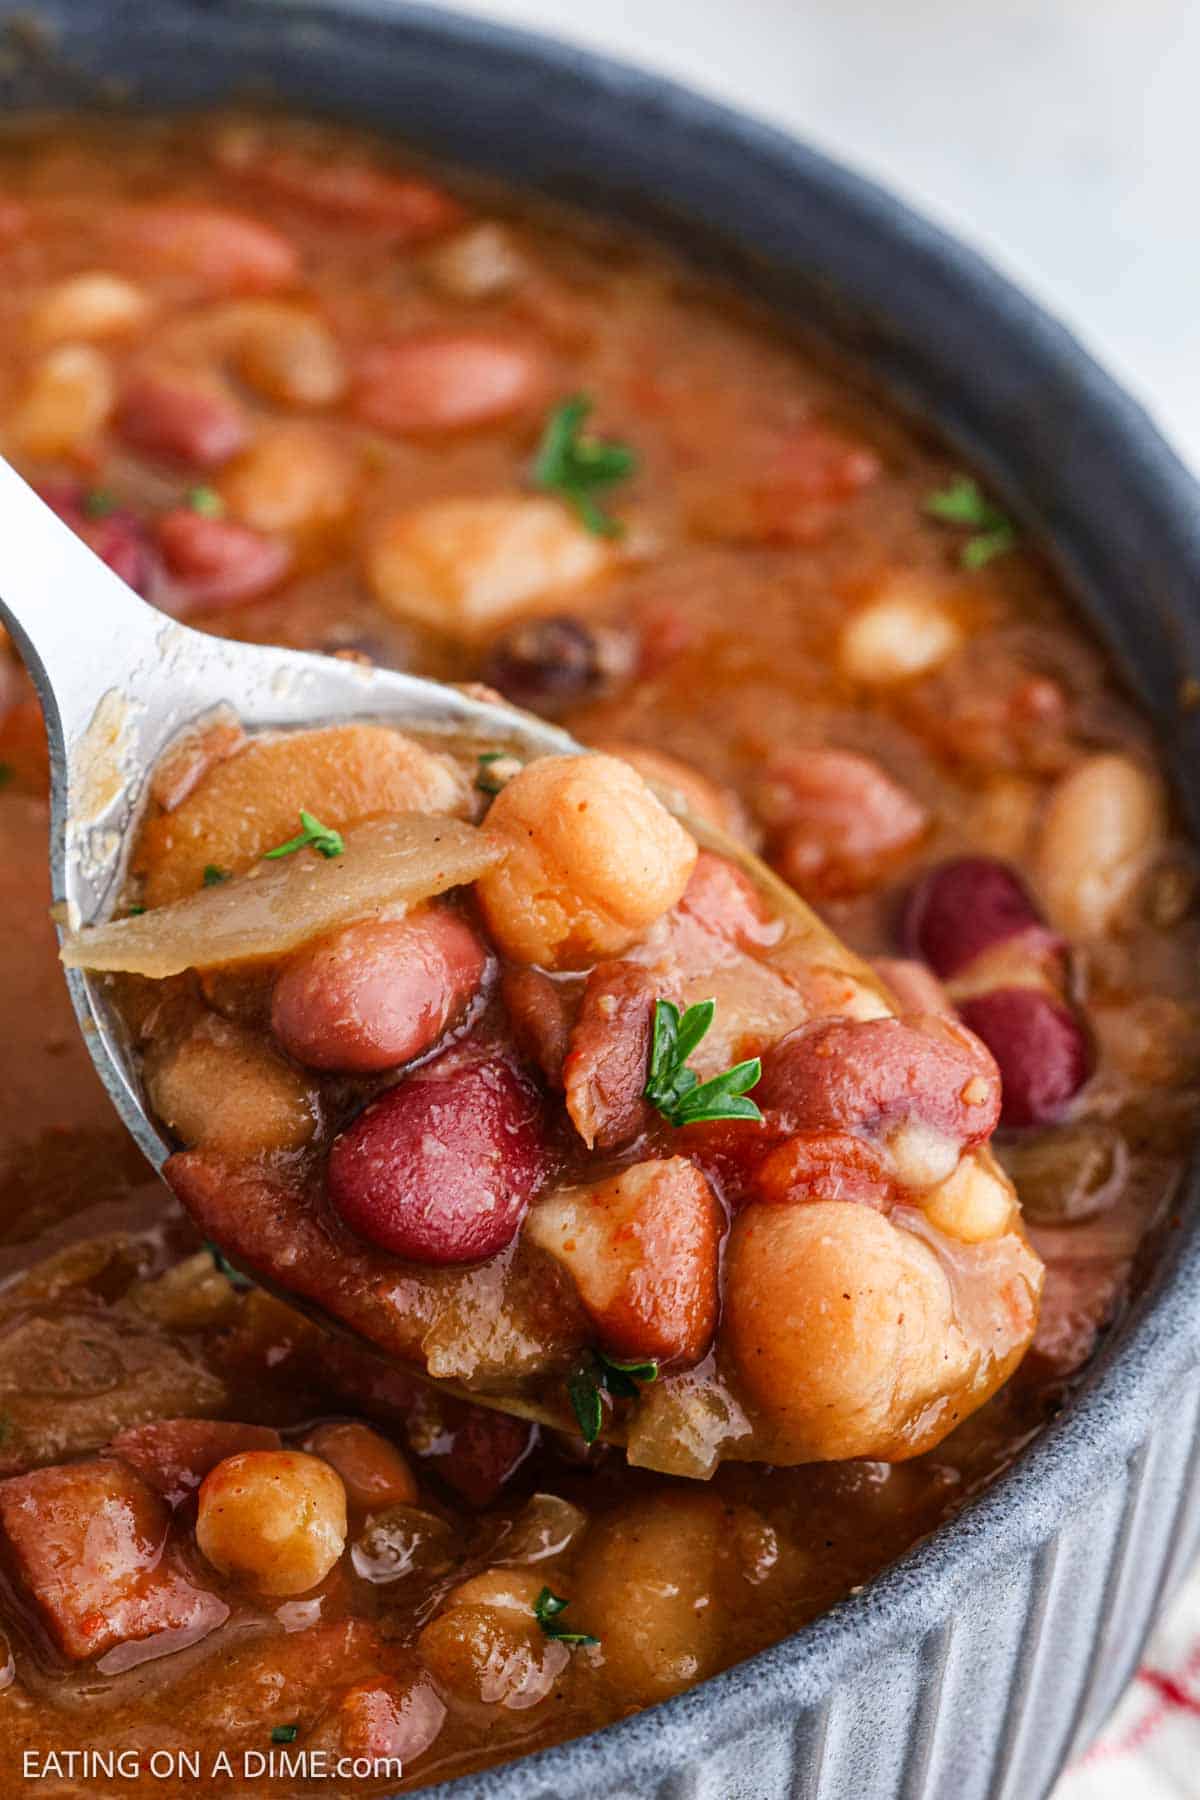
[
  {"x": 174, "y": 1455},
  {"x": 214, "y": 562},
  {"x": 225, "y": 252},
  {"x": 90, "y": 1541},
  {"x": 446, "y": 381}
]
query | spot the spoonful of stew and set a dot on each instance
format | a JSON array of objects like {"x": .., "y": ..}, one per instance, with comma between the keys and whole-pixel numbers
[{"x": 482, "y": 1047}]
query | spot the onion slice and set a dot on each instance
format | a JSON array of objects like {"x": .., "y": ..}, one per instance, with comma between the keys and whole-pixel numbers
[{"x": 387, "y": 866}]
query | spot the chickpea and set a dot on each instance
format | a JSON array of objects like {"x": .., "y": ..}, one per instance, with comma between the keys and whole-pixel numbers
[
  {"x": 487, "y": 1646},
  {"x": 649, "y": 1589},
  {"x": 478, "y": 263},
  {"x": 470, "y": 566},
  {"x": 275, "y": 1519},
  {"x": 904, "y": 631},
  {"x": 66, "y": 402},
  {"x": 1102, "y": 825},
  {"x": 593, "y": 860},
  {"x": 373, "y": 1471},
  {"x": 973, "y": 1204},
  {"x": 842, "y": 1329},
  {"x": 222, "y": 1089},
  {"x": 86, "y": 307},
  {"x": 293, "y": 478}
]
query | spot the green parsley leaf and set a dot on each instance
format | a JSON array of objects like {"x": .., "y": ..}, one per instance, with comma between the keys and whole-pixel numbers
[
  {"x": 604, "y": 1374},
  {"x": 224, "y": 1267},
  {"x": 284, "y": 1734},
  {"x": 207, "y": 502},
  {"x": 576, "y": 466},
  {"x": 546, "y": 1609},
  {"x": 676, "y": 1090},
  {"x": 965, "y": 503},
  {"x": 98, "y": 503},
  {"x": 135, "y": 912},
  {"x": 214, "y": 876},
  {"x": 315, "y": 836}
]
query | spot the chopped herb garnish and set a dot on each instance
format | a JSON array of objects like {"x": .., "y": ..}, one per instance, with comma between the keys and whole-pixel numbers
[
  {"x": 604, "y": 1374},
  {"x": 284, "y": 1734},
  {"x": 315, "y": 836},
  {"x": 677, "y": 1091},
  {"x": 224, "y": 1267},
  {"x": 207, "y": 502},
  {"x": 965, "y": 503},
  {"x": 576, "y": 466},
  {"x": 214, "y": 876},
  {"x": 135, "y": 912},
  {"x": 546, "y": 1609},
  {"x": 496, "y": 768},
  {"x": 98, "y": 503}
]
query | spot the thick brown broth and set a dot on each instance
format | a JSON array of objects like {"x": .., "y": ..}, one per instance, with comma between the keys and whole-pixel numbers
[{"x": 776, "y": 504}]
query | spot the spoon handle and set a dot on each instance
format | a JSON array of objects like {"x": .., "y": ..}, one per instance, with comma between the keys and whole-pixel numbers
[{"x": 77, "y": 626}]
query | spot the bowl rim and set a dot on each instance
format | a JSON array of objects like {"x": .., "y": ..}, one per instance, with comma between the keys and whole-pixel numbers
[{"x": 1102, "y": 1428}]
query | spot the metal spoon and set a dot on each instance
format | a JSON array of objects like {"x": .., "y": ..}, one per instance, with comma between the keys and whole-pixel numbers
[{"x": 118, "y": 681}]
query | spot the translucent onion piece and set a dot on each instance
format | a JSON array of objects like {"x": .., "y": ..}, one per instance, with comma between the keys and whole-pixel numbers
[{"x": 388, "y": 865}]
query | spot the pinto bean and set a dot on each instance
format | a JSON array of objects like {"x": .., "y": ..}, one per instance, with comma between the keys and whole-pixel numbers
[
  {"x": 274, "y": 1518},
  {"x": 224, "y": 252},
  {"x": 378, "y": 993},
  {"x": 441, "y": 1167},
  {"x": 642, "y": 1248},
  {"x": 175, "y": 417},
  {"x": 961, "y": 909},
  {"x": 446, "y": 381},
  {"x": 374, "y": 1473},
  {"x": 882, "y": 1073},
  {"x": 65, "y": 403},
  {"x": 1041, "y": 1048},
  {"x": 293, "y": 478},
  {"x": 214, "y": 562},
  {"x": 87, "y": 307},
  {"x": 593, "y": 860},
  {"x": 836, "y": 820},
  {"x": 905, "y": 630},
  {"x": 607, "y": 1064},
  {"x": 1102, "y": 825},
  {"x": 842, "y": 1330}
]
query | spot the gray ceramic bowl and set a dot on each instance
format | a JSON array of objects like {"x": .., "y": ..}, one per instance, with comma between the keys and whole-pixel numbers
[{"x": 974, "y": 1666}]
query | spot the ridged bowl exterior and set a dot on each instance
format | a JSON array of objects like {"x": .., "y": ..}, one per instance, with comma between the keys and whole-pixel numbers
[{"x": 973, "y": 1667}]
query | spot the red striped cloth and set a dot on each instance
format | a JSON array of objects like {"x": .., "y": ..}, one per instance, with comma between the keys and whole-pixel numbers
[{"x": 1150, "y": 1748}]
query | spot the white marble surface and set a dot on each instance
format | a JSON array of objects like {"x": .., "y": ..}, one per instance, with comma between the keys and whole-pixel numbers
[{"x": 1062, "y": 137}]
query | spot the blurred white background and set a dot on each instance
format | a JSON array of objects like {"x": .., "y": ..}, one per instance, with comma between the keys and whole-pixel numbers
[{"x": 1062, "y": 137}]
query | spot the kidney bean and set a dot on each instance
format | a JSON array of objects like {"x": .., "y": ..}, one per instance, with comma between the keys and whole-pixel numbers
[
  {"x": 378, "y": 993},
  {"x": 1040, "y": 1046},
  {"x": 541, "y": 1013},
  {"x": 835, "y": 820},
  {"x": 118, "y": 538},
  {"x": 441, "y": 1168},
  {"x": 178, "y": 419},
  {"x": 550, "y": 664},
  {"x": 869, "y": 1072},
  {"x": 225, "y": 251},
  {"x": 962, "y": 908},
  {"x": 445, "y": 381},
  {"x": 607, "y": 1065},
  {"x": 214, "y": 562},
  {"x": 823, "y": 1165}
]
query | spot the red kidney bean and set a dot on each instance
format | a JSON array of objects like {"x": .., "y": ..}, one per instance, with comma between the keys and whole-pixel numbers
[
  {"x": 1040, "y": 1046},
  {"x": 445, "y": 381},
  {"x": 214, "y": 562},
  {"x": 442, "y": 1166},
  {"x": 118, "y": 538},
  {"x": 836, "y": 820},
  {"x": 378, "y": 993},
  {"x": 962, "y": 908},
  {"x": 550, "y": 664},
  {"x": 855, "y": 1073},
  {"x": 226, "y": 252},
  {"x": 178, "y": 420},
  {"x": 606, "y": 1068},
  {"x": 541, "y": 1013}
]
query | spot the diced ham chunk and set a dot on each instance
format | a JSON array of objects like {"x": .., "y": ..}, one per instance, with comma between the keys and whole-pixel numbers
[
  {"x": 214, "y": 562},
  {"x": 174, "y": 1455},
  {"x": 176, "y": 417},
  {"x": 224, "y": 252},
  {"x": 642, "y": 1248},
  {"x": 90, "y": 1541}
]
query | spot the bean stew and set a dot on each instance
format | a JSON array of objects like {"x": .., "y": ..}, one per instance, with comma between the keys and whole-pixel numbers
[{"x": 694, "y": 1240}]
